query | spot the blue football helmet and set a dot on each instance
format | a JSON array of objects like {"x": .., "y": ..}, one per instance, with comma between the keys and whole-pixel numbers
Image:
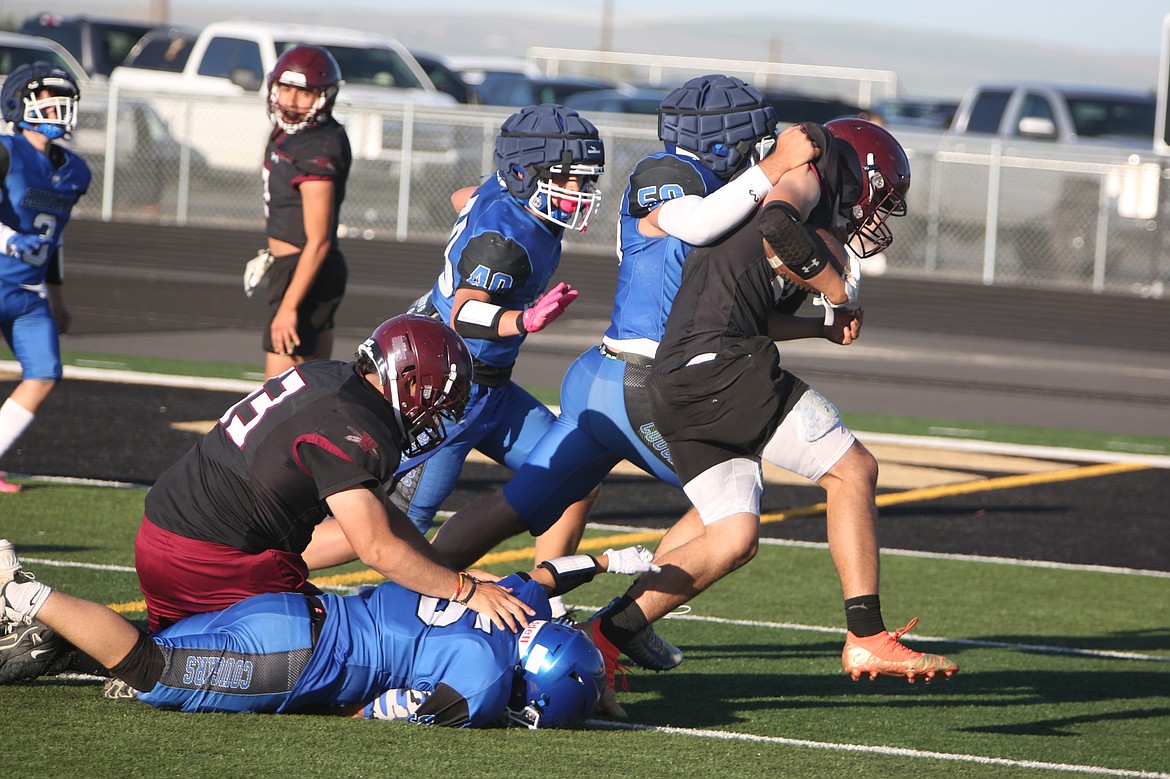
[
  {"x": 724, "y": 121},
  {"x": 25, "y": 108},
  {"x": 540, "y": 141},
  {"x": 560, "y": 676}
]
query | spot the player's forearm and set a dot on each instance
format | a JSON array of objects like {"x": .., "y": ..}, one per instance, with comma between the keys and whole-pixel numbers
[{"x": 785, "y": 327}]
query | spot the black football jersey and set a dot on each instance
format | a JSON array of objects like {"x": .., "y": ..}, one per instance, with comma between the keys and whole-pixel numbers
[
  {"x": 314, "y": 154},
  {"x": 728, "y": 293},
  {"x": 258, "y": 480}
]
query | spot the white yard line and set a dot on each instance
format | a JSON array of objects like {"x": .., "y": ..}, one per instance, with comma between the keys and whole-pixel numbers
[
  {"x": 1036, "y": 648},
  {"x": 876, "y": 750}
]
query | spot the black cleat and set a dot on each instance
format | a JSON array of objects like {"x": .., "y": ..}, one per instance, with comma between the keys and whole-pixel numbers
[{"x": 27, "y": 651}]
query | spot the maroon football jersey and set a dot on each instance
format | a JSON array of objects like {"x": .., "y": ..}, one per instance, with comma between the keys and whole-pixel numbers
[
  {"x": 259, "y": 479},
  {"x": 314, "y": 154}
]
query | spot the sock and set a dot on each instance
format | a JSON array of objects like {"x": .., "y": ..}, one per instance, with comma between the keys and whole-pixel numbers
[
  {"x": 143, "y": 665},
  {"x": 22, "y": 600},
  {"x": 622, "y": 622},
  {"x": 14, "y": 420},
  {"x": 863, "y": 616}
]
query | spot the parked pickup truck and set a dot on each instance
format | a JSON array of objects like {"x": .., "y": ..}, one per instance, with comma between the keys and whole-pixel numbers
[
  {"x": 1043, "y": 165},
  {"x": 99, "y": 44},
  {"x": 1101, "y": 117},
  {"x": 215, "y": 102}
]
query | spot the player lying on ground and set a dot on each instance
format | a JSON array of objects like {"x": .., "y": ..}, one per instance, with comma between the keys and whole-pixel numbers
[{"x": 385, "y": 653}]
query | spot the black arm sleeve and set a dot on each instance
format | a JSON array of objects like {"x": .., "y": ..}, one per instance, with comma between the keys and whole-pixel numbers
[{"x": 781, "y": 227}]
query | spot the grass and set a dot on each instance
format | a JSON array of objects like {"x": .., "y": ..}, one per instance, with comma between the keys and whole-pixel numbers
[{"x": 761, "y": 693}]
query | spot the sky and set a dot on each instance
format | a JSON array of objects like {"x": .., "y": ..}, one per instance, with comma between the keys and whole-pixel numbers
[{"x": 934, "y": 45}]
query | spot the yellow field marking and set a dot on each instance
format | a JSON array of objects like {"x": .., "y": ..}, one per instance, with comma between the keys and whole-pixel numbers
[
  {"x": 130, "y": 607},
  {"x": 499, "y": 558},
  {"x": 969, "y": 487},
  {"x": 627, "y": 539}
]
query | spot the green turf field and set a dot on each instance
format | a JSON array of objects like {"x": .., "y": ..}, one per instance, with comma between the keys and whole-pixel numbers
[{"x": 1065, "y": 671}]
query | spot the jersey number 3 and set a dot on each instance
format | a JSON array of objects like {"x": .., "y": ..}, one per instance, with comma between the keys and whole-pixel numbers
[{"x": 256, "y": 405}]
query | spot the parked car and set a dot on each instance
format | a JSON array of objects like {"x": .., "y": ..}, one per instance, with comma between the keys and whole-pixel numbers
[
  {"x": 99, "y": 44},
  {"x": 799, "y": 107},
  {"x": 623, "y": 100},
  {"x": 517, "y": 89},
  {"x": 146, "y": 151},
  {"x": 163, "y": 48},
  {"x": 18, "y": 49},
  {"x": 915, "y": 112},
  {"x": 222, "y": 80},
  {"x": 444, "y": 77},
  {"x": 1056, "y": 113}
]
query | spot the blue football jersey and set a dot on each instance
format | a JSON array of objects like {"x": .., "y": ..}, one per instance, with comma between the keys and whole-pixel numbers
[
  {"x": 502, "y": 248},
  {"x": 259, "y": 655},
  {"x": 650, "y": 267},
  {"x": 389, "y": 637},
  {"x": 37, "y": 197}
]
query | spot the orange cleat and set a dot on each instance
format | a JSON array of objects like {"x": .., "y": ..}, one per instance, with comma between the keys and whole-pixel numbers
[
  {"x": 7, "y": 486},
  {"x": 884, "y": 654},
  {"x": 607, "y": 706}
]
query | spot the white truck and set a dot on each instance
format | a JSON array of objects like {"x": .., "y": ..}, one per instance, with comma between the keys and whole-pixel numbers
[
  {"x": 1045, "y": 167},
  {"x": 214, "y": 101}
]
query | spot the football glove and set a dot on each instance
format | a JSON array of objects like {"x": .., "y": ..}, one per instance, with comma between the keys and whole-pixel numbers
[
  {"x": 25, "y": 243},
  {"x": 631, "y": 560},
  {"x": 547, "y": 308},
  {"x": 255, "y": 269}
]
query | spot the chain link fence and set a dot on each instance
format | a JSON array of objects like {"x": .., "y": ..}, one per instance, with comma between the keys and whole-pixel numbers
[{"x": 986, "y": 217}]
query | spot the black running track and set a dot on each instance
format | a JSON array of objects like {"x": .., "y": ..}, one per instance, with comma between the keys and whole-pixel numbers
[{"x": 125, "y": 432}]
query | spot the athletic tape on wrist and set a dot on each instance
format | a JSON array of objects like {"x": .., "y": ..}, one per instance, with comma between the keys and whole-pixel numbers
[{"x": 570, "y": 571}]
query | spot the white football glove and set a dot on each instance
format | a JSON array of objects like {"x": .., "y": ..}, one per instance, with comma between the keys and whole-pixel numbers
[
  {"x": 852, "y": 290},
  {"x": 631, "y": 560},
  {"x": 255, "y": 269}
]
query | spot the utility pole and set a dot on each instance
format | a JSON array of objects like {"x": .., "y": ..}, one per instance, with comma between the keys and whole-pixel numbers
[
  {"x": 160, "y": 11},
  {"x": 606, "y": 35}
]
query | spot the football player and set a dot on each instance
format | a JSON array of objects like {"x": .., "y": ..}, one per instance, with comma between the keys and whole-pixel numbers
[
  {"x": 384, "y": 653},
  {"x": 496, "y": 288},
  {"x": 306, "y": 166},
  {"x": 41, "y": 182},
  {"x": 723, "y": 403},
  {"x": 721, "y": 157},
  {"x": 232, "y": 517}
]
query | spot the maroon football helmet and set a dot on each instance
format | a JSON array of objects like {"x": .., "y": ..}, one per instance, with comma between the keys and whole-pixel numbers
[
  {"x": 885, "y": 181},
  {"x": 304, "y": 67},
  {"x": 425, "y": 369}
]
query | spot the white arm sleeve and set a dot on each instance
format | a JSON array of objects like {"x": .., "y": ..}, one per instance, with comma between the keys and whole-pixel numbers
[{"x": 700, "y": 220}]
